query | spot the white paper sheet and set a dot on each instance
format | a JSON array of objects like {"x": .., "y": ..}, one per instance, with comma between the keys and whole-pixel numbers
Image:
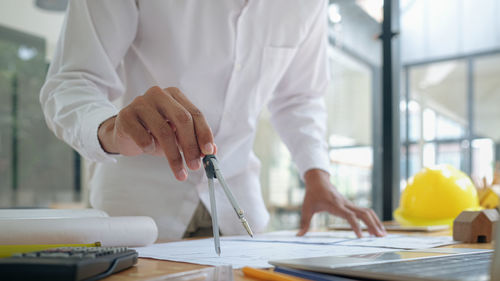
[
  {"x": 291, "y": 237},
  {"x": 240, "y": 251},
  {"x": 245, "y": 253},
  {"x": 348, "y": 238},
  {"x": 405, "y": 242}
]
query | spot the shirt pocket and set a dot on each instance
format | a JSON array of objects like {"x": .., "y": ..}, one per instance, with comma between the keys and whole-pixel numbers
[{"x": 275, "y": 61}]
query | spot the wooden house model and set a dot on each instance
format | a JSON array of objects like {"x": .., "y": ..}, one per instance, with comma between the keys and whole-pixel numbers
[{"x": 475, "y": 226}]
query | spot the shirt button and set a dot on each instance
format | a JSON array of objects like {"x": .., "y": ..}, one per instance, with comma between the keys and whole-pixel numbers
[{"x": 237, "y": 67}]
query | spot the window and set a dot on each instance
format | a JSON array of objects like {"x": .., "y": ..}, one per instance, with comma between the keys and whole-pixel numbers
[
  {"x": 486, "y": 116},
  {"x": 451, "y": 93},
  {"x": 354, "y": 60},
  {"x": 36, "y": 169}
]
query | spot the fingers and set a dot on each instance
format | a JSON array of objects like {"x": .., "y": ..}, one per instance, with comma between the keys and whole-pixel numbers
[
  {"x": 305, "y": 220},
  {"x": 192, "y": 130},
  {"x": 370, "y": 219},
  {"x": 371, "y": 225},
  {"x": 128, "y": 126},
  {"x": 166, "y": 121},
  {"x": 322, "y": 196},
  {"x": 351, "y": 219},
  {"x": 182, "y": 124},
  {"x": 378, "y": 222},
  {"x": 203, "y": 132},
  {"x": 165, "y": 136}
]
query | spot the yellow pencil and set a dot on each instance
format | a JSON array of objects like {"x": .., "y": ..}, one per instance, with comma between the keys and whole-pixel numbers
[
  {"x": 268, "y": 275},
  {"x": 9, "y": 250}
]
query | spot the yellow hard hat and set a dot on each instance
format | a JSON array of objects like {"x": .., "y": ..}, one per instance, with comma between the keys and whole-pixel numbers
[{"x": 436, "y": 196}]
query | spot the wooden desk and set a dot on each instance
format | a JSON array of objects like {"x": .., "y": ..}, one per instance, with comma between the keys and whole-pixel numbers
[{"x": 149, "y": 268}]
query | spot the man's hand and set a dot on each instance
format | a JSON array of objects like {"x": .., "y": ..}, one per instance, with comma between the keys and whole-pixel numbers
[
  {"x": 322, "y": 196},
  {"x": 160, "y": 122}
]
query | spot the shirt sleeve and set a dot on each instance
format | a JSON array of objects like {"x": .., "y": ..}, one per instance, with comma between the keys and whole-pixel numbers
[
  {"x": 297, "y": 107},
  {"x": 83, "y": 77}
]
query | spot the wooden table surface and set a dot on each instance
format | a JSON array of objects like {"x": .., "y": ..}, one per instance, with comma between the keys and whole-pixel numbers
[{"x": 150, "y": 268}]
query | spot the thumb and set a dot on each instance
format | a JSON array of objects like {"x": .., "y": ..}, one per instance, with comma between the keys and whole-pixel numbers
[{"x": 305, "y": 222}]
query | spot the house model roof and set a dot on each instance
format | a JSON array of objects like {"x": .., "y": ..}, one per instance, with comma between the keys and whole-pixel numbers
[{"x": 491, "y": 215}]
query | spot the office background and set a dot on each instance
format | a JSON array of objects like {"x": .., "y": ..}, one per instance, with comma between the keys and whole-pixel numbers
[{"x": 413, "y": 83}]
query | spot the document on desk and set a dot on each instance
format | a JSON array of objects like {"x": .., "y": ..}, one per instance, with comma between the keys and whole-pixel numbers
[
  {"x": 348, "y": 238},
  {"x": 287, "y": 236},
  {"x": 403, "y": 242},
  {"x": 240, "y": 251},
  {"x": 244, "y": 253}
]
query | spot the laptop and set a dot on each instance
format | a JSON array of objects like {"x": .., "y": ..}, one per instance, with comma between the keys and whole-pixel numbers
[{"x": 419, "y": 265}]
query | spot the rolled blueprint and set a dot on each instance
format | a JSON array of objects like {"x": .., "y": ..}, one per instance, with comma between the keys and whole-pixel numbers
[
  {"x": 110, "y": 231},
  {"x": 50, "y": 213}
]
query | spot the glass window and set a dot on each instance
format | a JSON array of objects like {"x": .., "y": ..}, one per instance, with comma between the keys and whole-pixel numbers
[
  {"x": 353, "y": 56},
  {"x": 5, "y": 130},
  {"x": 437, "y": 112},
  {"x": 441, "y": 87},
  {"x": 449, "y": 153},
  {"x": 483, "y": 159},
  {"x": 415, "y": 120},
  {"x": 429, "y": 124},
  {"x": 415, "y": 159},
  {"x": 454, "y": 81},
  {"x": 36, "y": 169},
  {"x": 441, "y": 115},
  {"x": 447, "y": 128},
  {"x": 349, "y": 103},
  {"x": 349, "y": 139},
  {"x": 486, "y": 116}
]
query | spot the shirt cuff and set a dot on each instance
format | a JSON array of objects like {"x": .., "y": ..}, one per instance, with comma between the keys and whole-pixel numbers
[
  {"x": 309, "y": 159},
  {"x": 92, "y": 149}
]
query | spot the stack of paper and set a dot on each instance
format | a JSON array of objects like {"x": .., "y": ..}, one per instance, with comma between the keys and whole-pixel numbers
[{"x": 240, "y": 251}]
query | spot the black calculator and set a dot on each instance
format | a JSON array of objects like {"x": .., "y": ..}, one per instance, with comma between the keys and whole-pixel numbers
[{"x": 67, "y": 263}]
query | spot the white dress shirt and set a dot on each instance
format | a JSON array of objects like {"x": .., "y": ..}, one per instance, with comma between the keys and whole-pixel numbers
[{"x": 229, "y": 57}]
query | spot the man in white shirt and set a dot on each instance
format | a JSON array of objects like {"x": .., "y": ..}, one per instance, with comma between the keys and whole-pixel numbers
[{"x": 134, "y": 80}]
